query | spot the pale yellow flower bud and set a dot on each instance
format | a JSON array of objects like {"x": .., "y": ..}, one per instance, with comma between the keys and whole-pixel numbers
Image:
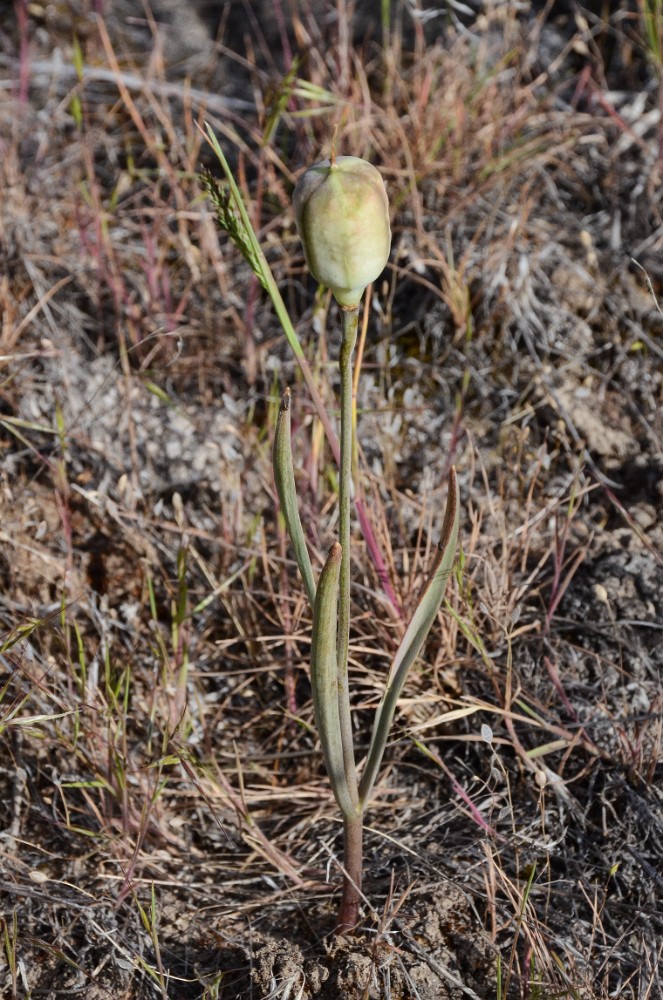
[{"x": 342, "y": 216}]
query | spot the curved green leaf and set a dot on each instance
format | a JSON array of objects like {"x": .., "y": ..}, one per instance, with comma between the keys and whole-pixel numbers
[
  {"x": 414, "y": 638},
  {"x": 324, "y": 679},
  {"x": 284, "y": 478}
]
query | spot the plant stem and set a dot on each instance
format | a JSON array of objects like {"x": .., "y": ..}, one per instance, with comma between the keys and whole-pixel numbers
[
  {"x": 348, "y": 914},
  {"x": 353, "y": 822},
  {"x": 350, "y": 323}
]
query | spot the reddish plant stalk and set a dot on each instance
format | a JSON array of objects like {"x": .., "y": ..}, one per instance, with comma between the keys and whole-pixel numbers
[{"x": 353, "y": 834}]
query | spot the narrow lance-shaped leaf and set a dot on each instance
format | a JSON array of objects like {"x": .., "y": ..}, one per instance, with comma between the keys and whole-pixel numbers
[
  {"x": 284, "y": 478},
  {"x": 324, "y": 679},
  {"x": 414, "y": 638}
]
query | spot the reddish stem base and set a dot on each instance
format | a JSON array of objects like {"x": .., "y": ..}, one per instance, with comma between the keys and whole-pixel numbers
[{"x": 348, "y": 913}]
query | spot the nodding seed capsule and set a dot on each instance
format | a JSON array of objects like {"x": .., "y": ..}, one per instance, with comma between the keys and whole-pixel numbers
[{"x": 342, "y": 215}]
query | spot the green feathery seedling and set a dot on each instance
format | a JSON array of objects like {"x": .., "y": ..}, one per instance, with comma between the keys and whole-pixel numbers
[{"x": 342, "y": 216}]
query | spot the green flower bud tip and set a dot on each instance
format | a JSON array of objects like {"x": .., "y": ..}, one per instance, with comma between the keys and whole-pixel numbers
[{"x": 342, "y": 216}]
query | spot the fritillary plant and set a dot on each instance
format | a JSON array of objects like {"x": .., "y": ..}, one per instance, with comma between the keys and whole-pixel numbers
[{"x": 342, "y": 216}]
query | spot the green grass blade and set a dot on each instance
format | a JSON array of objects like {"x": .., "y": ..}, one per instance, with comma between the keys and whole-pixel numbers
[
  {"x": 324, "y": 679},
  {"x": 257, "y": 260},
  {"x": 414, "y": 638},
  {"x": 284, "y": 478}
]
